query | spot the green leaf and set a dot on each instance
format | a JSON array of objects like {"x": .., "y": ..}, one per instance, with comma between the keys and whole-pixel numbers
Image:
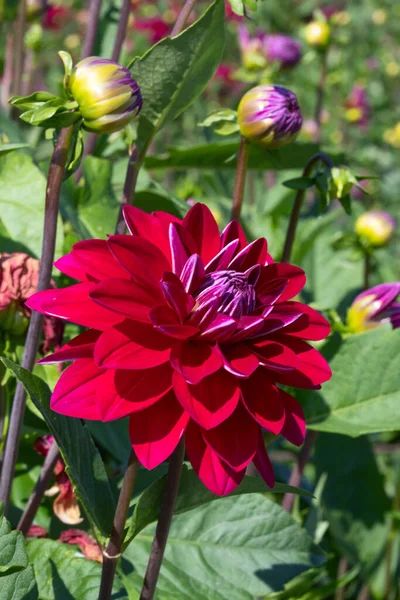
[
  {"x": 237, "y": 7},
  {"x": 17, "y": 579},
  {"x": 299, "y": 183},
  {"x": 150, "y": 200},
  {"x": 192, "y": 494},
  {"x": 67, "y": 62},
  {"x": 364, "y": 393},
  {"x": 355, "y": 502},
  {"x": 35, "y": 100},
  {"x": 62, "y": 573},
  {"x": 222, "y": 155},
  {"x": 233, "y": 548},
  {"x": 6, "y": 148},
  {"x": 22, "y": 198},
  {"x": 83, "y": 461},
  {"x": 174, "y": 72},
  {"x": 223, "y": 122}
]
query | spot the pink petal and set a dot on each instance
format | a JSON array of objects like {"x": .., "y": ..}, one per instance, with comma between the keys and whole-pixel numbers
[
  {"x": 275, "y": 356},
  {"x": 239, "y": 360},
  {"x": 216, "y": 475},
  {"x": 182, "y": 247},
  {"x": 294, "y": 429},
  {"x": 269, "y": 292},
  {"x": 233, "y": 231},
  {"x": 223, "y": 258},
  {"x": 295, "y": 277},
  {"x": 211, "y": 401},
  {"x": 263, "y": 401},
  {"x": 253, "y": 254},
  {"x": 151, "y": 227},
  {"x": 236, "y": 439},
  {"x": 192, "y": 273},
  {"x": 81, "y": 346},
  {"x": 263, "y": 464},
  {"x": 132, "y": 345},
  {"x": 200, "y": 223},
  {"x": 174, "y": 293},
  {"x": 73, "y": 304},
  {"x": 155, "y": 432},
  {"x": 96, "y": 260},
  {"x": 195, "y": 360},
  {"x": 221, "y": 328},
  {"x": 126, "y": 298},
  {"x": 138, "y": 257},
  {"x": 166, "y": 320},
  {"x": 247, "y": 327},
  {"x": 69, "y": 265},
  {"x": 310, "y": 326},
  {"x": 311, "y": 367},
  {"x": 142, "y": 389},
  {"x": 279, "y": 319}
]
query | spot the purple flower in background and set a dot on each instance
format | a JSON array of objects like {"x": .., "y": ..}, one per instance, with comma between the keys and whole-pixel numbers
[
  {"x": 358, "y": 107},
  {"x": 251, "y": 49},
  {"x": 282, "y": 49},
  {"x": 374, "y": 307},
  {"x": 269, "y": 115}
]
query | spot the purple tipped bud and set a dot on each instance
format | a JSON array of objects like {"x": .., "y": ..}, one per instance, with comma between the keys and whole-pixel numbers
[
  {"x": 107, "y": 95},
  {"x": 376, "y": 227},
  {"x": 269, "y": 115},
  {"x": 374, "y": 307},
  {"x": 282, "y": 49}
]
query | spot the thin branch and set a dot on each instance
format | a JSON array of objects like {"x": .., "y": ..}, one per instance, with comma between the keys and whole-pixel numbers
[
  {"x": 183, "y": 17},
  {"x": 297, "y": 473},
  {"x": 240, "y": 179},
  {"x": 92, "y": 26},
  {"x": 121, "y": 31},
  {"x": 321, "y": 94}
]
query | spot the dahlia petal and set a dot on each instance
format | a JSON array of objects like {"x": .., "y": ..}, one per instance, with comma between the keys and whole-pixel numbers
[
  {"x": 263, "y": 401},
  {"x": 294, "y": 429},
  {"x": 236, "y": 439},
  {"x": 96, "y": 260},
  {"x": 192, "y": 273},
  {"x": 174, "y": 293},
  {"x": 275, "y": 355},
  {"x": 269, "y": 292},
  {"x": 125, "y": 298},
  {"x": 247, "y": 326},
  {"x": 211, "y": 401},
  {"x": 263, "y": 464},
  {"x": 233, "y": 231},
  {"x": 221, "y": 328},
  {"x": 224, "y": 257},
  {"x": 166, "y": 320},
  {"x": 216, "y": 475},
  {"x": 254, "y": 253},
  {"x": 311, "y": 325},
  {"x": 205, "y": 314},
  {"x": 81, "y": 346},
  {"x": 280, "y": 318},
  {"x": 200, "y": 223},
  {"x": 155, "y": 432},
  {"x": 154, "y": 226},
  {"x": 182, "y": 247},
  {"x": 294, "y": 276},
  {"x": 132, "y": 345},
  {"x": 73, "y": 304},
  {"x": 141, "y": 389},
  {"x": 239, "y": 360},
  {"x": 195, "y": 360},
  {"x": 138, "y": 257},
  {"x": 69, "y": 265}
]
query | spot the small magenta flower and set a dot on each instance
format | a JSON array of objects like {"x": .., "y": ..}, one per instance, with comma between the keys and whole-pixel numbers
[
  {"x": 358, "y": 107},
  {"x": 282, "y": 49},
  {"x": 376, "y": 227},
  {"x": 251, "y": 49},
  {"x": 107, "y": 95},
  {"x": 269, "y": 115},
  {"x": 318, "y": 34},
  {"x": 374, "y": 307}
]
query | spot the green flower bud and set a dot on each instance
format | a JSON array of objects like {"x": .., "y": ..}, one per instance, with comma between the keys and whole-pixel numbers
[
  {"x": 318, "y": 34},
  {"x": 376, "y": 227},
  {"x": 107, "y": 96}
]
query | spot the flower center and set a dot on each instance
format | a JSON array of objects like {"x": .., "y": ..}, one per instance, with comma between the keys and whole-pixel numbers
[{"x": 235, "y": 294}]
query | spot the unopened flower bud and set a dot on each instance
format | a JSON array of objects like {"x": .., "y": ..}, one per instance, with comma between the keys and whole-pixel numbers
[
  {"x": 376, "y": 306},
  {"x": 107, "y": 95},
  {"x": 376, "y": 227},
  {"x": 269, "y": 115},
  {"x": 318, "y": 34}
]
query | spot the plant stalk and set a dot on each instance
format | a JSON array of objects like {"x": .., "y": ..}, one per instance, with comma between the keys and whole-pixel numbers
[
  {"x": 112, "y": 553},
  {"x": 91, "y": 31},
  {"x": 54, "y": 180},
  {"x": 164, "y": 522},
  {"x": 367, "y": 269},
  {"x": 41, "y": 486},
  {"x": 321, "y": 94},
  {"x": 240, "y": 180},
  {"x": 298, "y": 469},
  {"x": 183, "y": 17},
  {"x": 7, "y": 73},
  {"x": 298, "y": 203}
]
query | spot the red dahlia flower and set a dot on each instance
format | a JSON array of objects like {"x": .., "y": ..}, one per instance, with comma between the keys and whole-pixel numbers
[{"x": 190, "y": 333}]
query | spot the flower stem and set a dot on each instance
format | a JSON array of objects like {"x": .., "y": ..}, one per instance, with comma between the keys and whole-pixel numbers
[
  {"x": 164, "y": 522},
  {"x": 112, "y": 553},
  {"x": 121, "y": 31},
  {"x": 296, "y": 474},
  {"x": 183, "y": 17},
  {"x": 7, "y": 73},
  {"x": 54, "y": 180},
  {"x": 91, "y": 31},
  {"x": 298, "y": 203},
  {"x": 41, "y": 486},
  {"x": 367, "y": 269},
  {"x": 391, "y": 540},
  {"x": 321, "y": 94},
  {"x": 240, "y": 179},
  {"x": 18, "y": 53}
]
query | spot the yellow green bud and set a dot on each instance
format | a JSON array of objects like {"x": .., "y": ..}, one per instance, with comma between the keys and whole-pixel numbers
[
  {"x": 318, "y": 34},
  {"x": 376, "y": 227}
]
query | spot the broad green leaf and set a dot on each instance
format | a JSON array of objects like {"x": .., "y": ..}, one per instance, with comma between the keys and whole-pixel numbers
[
  {"x": 233, "y": 548},
  {"x": 174, "y": 72},
  {"x": 6, "y": 148},
  {"x": 84, "y": 465},
  {"x": 149, "y": 200},
  {"x": 222, "y": 155},
  {"x": 192, "y": 494},
  {"x": 364, "y": 393},
  {"x": 63, "y": 573},
  {"x": 17, "y": 579},
  {"x": 299, "y": 183},
  {"x": 355, "y": 502},
  {"x": 35, "y": 100},
  {"x": 22, "y": 198}
]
